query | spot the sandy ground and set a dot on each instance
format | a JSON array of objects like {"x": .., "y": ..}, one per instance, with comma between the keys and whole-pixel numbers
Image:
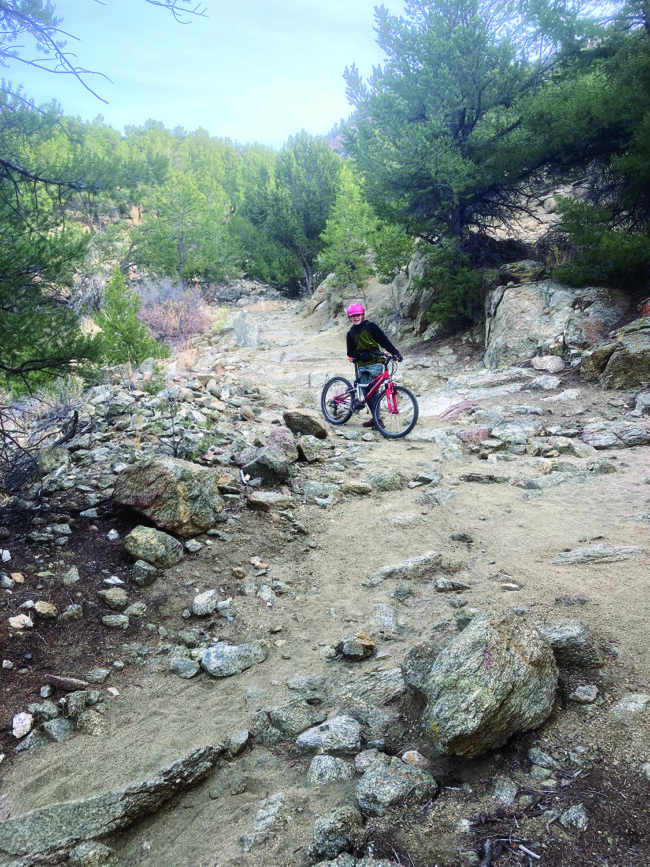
[{"x": 157, "y": 717}]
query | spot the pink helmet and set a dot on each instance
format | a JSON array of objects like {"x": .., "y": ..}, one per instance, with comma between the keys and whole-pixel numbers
[{"x": 355, "y": 309}]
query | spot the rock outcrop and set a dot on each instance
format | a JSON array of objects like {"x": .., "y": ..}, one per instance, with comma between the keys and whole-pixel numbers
[
  {"x": 64, "y": 825},
  {"x": 545, "y": 317},
  {"x": 623, "y": 362}
]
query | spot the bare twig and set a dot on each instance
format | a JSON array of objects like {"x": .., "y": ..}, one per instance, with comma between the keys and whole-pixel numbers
[
  {"x": 174, "y": 6},
  {"x": 529, "y": 853}
]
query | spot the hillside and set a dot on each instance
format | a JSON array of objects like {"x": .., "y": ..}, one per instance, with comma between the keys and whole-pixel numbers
[{"x": 530, "y": 506}]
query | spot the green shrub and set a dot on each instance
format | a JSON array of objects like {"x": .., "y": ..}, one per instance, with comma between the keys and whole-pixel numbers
[{"x": 124, "y": 338}]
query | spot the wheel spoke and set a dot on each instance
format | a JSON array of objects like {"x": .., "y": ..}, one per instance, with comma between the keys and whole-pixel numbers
[
  {"x": 396, "y": 412},
  {"x": 336, "y": 400}
]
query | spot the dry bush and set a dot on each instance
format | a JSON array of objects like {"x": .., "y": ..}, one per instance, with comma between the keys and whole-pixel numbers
[
  {"x": 48, "y": 418},
  {"x": 186, "y": 355},
  {"x": 173, "y": 313}
]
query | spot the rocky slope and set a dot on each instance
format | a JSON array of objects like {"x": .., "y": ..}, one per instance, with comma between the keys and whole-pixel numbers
[{"x": 260, "y": 698}]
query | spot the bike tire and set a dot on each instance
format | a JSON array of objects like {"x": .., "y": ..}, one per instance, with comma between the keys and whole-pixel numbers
[
  {"x": 396, "y": 424},
  {"x": 336, "y": 400}
]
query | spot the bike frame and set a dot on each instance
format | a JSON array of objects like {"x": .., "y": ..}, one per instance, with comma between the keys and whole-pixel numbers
[{"x": 372, "y": 387}]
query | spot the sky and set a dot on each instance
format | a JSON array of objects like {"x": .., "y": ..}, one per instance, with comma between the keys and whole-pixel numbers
[{"x": 252, "y": 71}]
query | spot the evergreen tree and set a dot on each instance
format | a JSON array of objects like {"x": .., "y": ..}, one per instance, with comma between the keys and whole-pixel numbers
[
  {"x": 294, "y": 207},
  {"x": 429, "y": 127},
  {"x": 393, "y": 249},
  {"x": 441, "y": 132},
  {"x": 348, "y": 234},
  {"x": 185, "y": 231},
  {"x": 39, "y": 329}
]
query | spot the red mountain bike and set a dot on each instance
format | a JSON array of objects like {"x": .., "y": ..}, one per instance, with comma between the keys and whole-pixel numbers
[{"x": 396, "y": 410}]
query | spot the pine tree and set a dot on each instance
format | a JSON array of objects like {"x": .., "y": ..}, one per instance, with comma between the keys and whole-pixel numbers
[{"x": 348, "y": 234}]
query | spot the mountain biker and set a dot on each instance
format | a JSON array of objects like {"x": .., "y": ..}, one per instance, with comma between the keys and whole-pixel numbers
[{"x": 365, "y": 340}]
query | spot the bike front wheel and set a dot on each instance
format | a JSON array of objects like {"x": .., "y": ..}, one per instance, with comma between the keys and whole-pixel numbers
[
  {"x": 396, "y": 412},
  {"x": 336, "y": 400}
]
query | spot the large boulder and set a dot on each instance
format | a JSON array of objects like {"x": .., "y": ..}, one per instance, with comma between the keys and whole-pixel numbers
[
  {"x": 496, "y": 678},
  {"x": 176, "y": 495},
  {"x": 623, "y": 362},
  {"x": 526, "y": 319}
]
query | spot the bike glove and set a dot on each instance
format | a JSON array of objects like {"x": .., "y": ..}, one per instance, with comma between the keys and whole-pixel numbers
[{"x": 398, "y": 357}]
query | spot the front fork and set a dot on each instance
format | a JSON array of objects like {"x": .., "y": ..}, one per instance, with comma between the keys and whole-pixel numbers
[{"x": 391, "y": 397}]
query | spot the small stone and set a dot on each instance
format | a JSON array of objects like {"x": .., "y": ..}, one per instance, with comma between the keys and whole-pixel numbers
[
  {"x": 22, "y": 724},
  {"x": 116, "y": 621},
  {"x": 267, "y": 595},
  {"x": 72, "y": 612},
  {"x": 182, "y": 667},
  {"x": 115, "y": 598},
  {"x": 71, "y": 576},
  {"x": 91, "y": 722},
  {"x": 114, "y": 581},
  {"x": 98, "y": 675},
  {"x": 237, "y": 742},
  {"x": 356, "y": 647},
  {"x": 340, "y": 734},
  {"x": 143, "y": 573},
  {"x": 44, "y": 710},
  {"x": 584, "y": 694},
  {"x": 504, "y": 789},
  {"x": 356, "y": 488},
  {"x": 415, "y": 759},
  {"x": 205, "y": 603},
  {"x": 21, "y": 621},
  {"x": 59, "y": 729},
  {"x": 34, "y": 739},
  {"x": 325, "y": 770},
  {"x": 542, "y": 759},
  {"x": 575, "y": 817},
  {"x": 539, "y": 773}
]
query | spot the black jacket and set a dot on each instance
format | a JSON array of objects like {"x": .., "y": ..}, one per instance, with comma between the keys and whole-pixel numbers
[{"x": 364, "y": 342}]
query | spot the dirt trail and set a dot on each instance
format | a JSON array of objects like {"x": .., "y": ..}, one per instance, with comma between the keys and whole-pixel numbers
[{"x": 158, "y": 717}]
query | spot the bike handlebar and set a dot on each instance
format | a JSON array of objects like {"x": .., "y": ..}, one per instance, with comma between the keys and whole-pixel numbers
[{"x": 385, "y": 358}]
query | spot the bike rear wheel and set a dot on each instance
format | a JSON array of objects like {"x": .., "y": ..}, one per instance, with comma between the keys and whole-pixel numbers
[
  {"x": 336, "y": 400},
  {"x": 396, "y": 413}
]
